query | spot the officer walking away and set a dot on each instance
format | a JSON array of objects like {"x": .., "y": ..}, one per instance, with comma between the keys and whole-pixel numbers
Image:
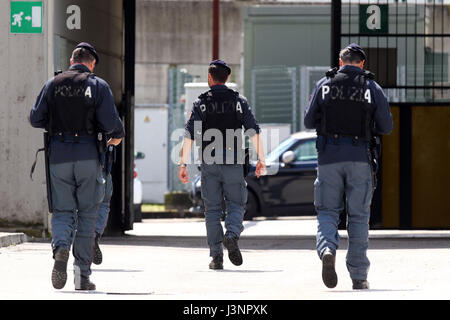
[
  {"x": 349, "y": 110},
  {"x": 76, "y": 108},
  {"x": 107, "y": 160},
  {"x": 216, "y": 121}
]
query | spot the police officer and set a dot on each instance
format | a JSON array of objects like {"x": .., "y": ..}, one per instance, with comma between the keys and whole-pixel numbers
[
  {"x": 347, "y": 109},
  {"x": 74, "y": 107},
  {"x": 108, "y": 159},
  {"x": 216, "y": 123}
]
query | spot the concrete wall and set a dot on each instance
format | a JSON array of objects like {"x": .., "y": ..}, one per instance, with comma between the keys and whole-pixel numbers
[
  {"x": 23, "y": 61},
  {"x": 27, "y": 62},
  {"x": 180, "y": 32},
  {"x": 286, "y": 35},
  {"x": 101, "y": 26}
]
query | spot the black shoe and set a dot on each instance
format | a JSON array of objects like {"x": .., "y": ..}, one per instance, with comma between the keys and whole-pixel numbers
[
  {"x": 59, "y": 272},
  {"x": 98, "y": 257},
  {"x": 216, "y": 263},
  {"x": 360, "y": 284},
  {"x": 234, "y": 254},
  {"x": 329, "y": 275},
  {"x": 83, "y": 283}
]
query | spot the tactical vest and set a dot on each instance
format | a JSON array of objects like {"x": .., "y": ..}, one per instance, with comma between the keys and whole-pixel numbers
[
  {"x": 221, "y": 112},
  {"x": 347, "y": 111},
  {"x": 72, "y": 111}
]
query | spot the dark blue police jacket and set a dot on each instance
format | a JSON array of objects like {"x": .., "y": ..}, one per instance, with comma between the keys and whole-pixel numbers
[
  {"x": 246, "y": 116},
  {"x": 248, "y": 120},
  {"x": 107, "y": 117},
  {"x": 346, "y": 152}
]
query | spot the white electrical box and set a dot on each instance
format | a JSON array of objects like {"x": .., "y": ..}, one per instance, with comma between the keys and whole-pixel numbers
[{"x": 150, "y": 137}]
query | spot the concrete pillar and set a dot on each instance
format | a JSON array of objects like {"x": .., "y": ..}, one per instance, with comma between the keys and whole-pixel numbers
[{"x": 24, "y": 65}]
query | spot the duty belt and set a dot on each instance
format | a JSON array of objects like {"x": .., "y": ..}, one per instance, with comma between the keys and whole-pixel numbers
[
  {"x": 72, "y": 138},
  {"x": 344, "y": 140}
]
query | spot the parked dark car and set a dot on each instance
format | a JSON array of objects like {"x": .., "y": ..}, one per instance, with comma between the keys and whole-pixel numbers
[{"x": 287, "y": 189}]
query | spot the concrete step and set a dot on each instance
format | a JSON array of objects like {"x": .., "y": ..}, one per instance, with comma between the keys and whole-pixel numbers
[{"x": 9, "y": 239}]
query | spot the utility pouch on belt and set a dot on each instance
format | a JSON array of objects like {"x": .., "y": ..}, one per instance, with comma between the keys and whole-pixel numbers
[
  {"x": 320, "y": 143},
  {"x": 101, "y": 143}
]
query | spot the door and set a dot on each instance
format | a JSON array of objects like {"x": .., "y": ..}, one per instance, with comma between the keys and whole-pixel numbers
[{"x": 293, "y": 185}]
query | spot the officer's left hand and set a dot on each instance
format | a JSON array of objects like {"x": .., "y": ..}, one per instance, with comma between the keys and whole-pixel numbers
[{"x": 114, "y": 141}]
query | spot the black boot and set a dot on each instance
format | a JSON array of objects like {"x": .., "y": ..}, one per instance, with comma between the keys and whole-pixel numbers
[
  {"x": 59, "y": 272},
  {"x": 329, "y": 275},
  {"x": 216, "y": 263},
  {"x": 360, "y": 284},
  {"x": 82, "y": 282},
  {"x": 98, "y": 257},
  {"x": 234, "y": 254}
]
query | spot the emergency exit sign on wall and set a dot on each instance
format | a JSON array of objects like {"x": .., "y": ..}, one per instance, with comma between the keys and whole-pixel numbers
[{"x": 26, "y": 17}]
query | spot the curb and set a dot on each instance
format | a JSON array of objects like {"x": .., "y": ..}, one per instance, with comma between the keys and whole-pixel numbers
[{"x": 9, "y": 239}]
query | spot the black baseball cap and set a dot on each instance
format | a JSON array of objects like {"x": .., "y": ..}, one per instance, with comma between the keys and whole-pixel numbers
[
  {"x": 221, "y": 63},
  {"x": 356, "y": 48},
  {"x": 90, "y": 48}
]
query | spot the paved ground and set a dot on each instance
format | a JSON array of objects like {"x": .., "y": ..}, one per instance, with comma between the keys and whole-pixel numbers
[
  {"x": 286, "y": 227},
  {"x": 155, "y": 265}
]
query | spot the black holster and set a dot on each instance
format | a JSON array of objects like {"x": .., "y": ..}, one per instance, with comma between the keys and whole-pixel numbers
[
  {"x": 110, "y": 158},
  {"x": 101, "y": 143},
  {"x": 246, "y": 165},
  {"x": 374, "y": 153},
  {"x": 46, "y": 150}
]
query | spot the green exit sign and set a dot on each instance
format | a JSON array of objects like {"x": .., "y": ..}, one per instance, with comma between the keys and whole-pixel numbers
[
  {"x": 374, "y": 18},
  {"x": 26, "y": 16}
]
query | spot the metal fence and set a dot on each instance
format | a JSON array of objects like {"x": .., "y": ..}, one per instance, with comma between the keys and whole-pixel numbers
[
  {"x": 280, "y": 94},
  {"x": 177, "y": 79},
  {"x": 407, "y": 43},
  {"x": 274, "y": 95}
]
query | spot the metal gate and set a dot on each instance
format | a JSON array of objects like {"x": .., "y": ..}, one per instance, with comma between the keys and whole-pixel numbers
[{"x": 408, "y": 46}]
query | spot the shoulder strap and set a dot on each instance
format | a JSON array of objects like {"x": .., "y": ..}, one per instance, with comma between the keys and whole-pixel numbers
[
  {"x": 332, "y": 72},
  {"x": 369, "y": 75},
  {"x": 367, "y": 106}
]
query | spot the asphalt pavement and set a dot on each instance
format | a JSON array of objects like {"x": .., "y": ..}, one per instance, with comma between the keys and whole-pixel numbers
[{"x": 168, "y": 260}]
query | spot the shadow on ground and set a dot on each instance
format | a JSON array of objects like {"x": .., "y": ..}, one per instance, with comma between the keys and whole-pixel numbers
[{"x": 272, "y": 243}]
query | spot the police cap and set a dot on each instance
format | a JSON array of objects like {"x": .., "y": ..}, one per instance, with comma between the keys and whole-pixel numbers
[
  {"x": 223, "y": 64},
  {"x": 90, "y": 48},
  {"x": 356, "y": 48}
]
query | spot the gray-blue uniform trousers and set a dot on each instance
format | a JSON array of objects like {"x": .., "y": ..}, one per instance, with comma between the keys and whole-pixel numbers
[
  {"x": 77, "y": 182},
  {"x": 104, "y": 206},
  {"x": 221, "y": 181},
  {"x": 344, "y": 169}
]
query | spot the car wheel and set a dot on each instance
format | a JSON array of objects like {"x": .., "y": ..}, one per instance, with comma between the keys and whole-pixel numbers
[
  {"x": 137, "y": 212},
  {"x": 251, "y": 208}
]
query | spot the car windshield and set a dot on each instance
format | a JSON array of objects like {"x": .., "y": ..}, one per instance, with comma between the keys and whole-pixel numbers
[{"x": 275, "y": 154}]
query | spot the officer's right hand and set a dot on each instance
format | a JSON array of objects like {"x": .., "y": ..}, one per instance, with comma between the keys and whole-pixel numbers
[
  {"x": 114, "y": 141},
  {"x": 260, "y": 168},
  {"x": 183, "y": 175}
]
